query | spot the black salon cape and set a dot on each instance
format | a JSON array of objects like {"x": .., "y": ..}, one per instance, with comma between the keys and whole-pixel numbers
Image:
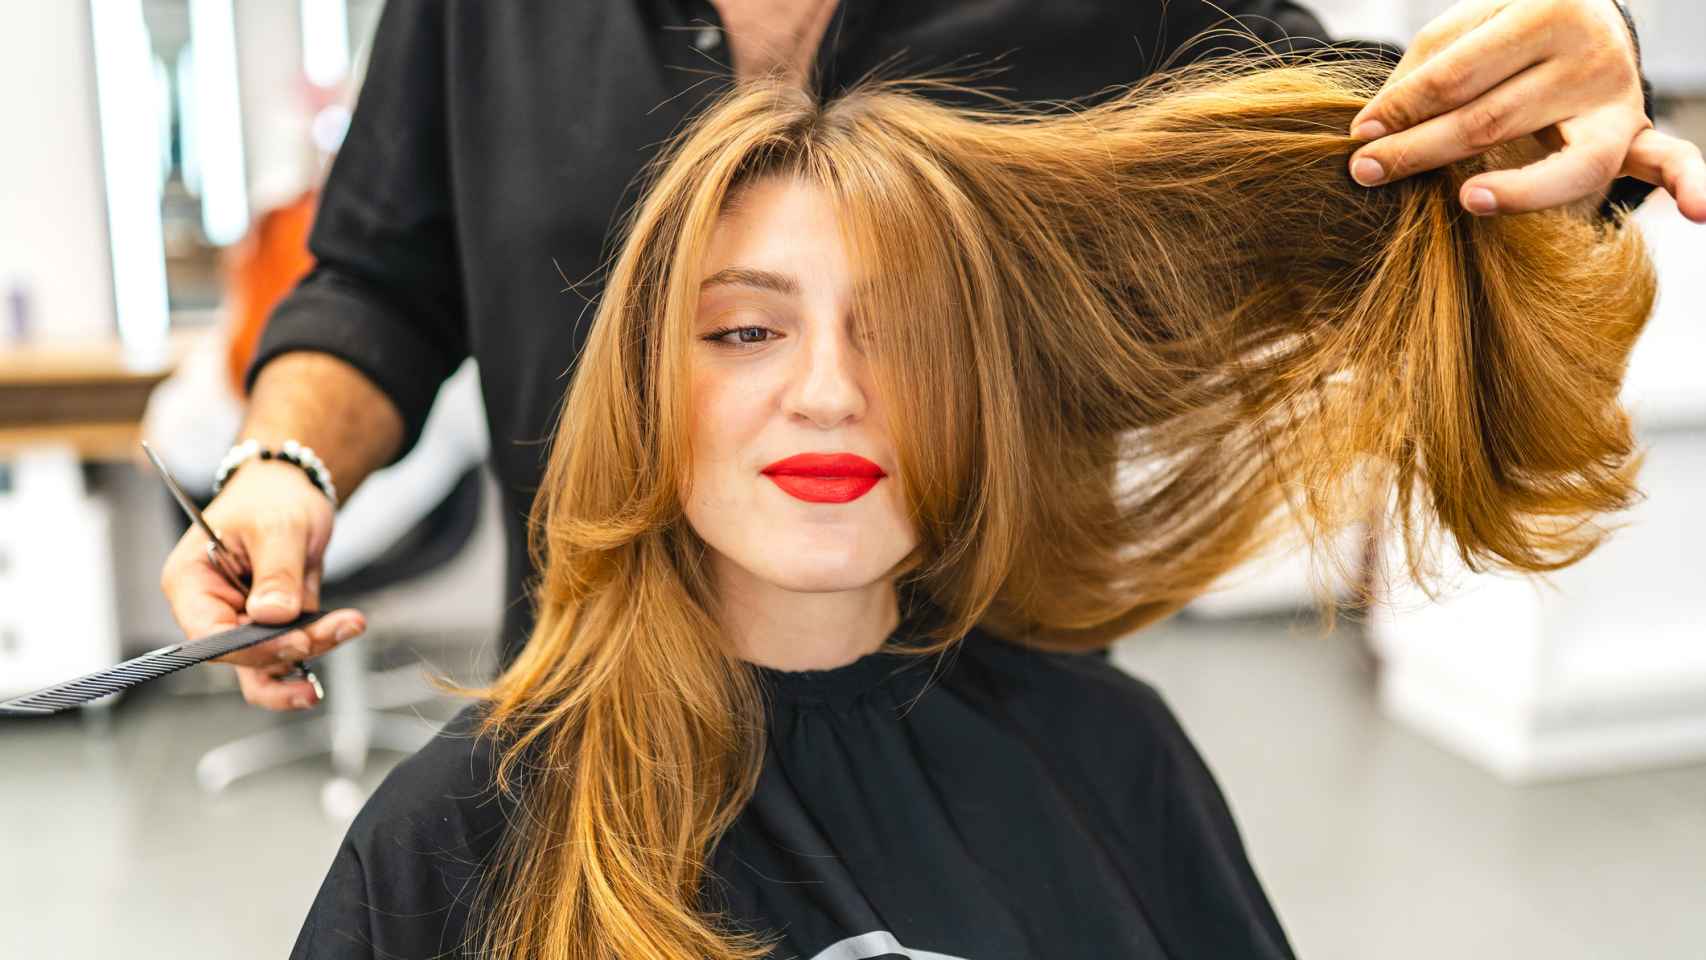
[{"x": 1026, "y": 805}]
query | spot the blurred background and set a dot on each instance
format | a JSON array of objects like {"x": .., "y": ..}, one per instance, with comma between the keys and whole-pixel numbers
[{"x": 1518, "y": 770}]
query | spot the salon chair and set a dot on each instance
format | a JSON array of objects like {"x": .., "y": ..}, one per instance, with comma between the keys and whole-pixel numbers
[{"x": 353, "y": 721}]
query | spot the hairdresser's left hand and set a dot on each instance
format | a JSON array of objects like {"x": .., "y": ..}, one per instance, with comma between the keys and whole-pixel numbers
[{"x": 1486, "y": 72}]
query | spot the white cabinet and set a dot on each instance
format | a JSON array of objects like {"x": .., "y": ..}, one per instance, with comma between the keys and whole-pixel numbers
[
  {"x": 57, "y": 613},
  {"x": 1606, "y": 669}
]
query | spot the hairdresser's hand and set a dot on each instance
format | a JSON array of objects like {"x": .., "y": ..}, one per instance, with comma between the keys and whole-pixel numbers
[
  {"x": 1486, "y": 72},
  {"x": 273, "y": 517}
]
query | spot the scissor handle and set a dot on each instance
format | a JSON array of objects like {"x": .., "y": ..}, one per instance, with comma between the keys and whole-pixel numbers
[
  {"x": 222, "y": 560},
  {"x": 228, "y": 567}
]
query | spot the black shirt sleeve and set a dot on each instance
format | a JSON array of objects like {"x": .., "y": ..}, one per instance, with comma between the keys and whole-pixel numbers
[{"x": 385, "y": 293}]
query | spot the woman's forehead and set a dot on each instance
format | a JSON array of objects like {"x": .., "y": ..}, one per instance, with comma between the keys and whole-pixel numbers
[{"x": 783, "y": 236}]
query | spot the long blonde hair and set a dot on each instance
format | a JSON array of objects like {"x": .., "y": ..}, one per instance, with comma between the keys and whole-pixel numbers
[{"x": 1135, "y": 342}]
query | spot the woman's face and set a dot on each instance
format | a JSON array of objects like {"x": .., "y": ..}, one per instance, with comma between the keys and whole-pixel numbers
[{"x": 787, "y": 378}]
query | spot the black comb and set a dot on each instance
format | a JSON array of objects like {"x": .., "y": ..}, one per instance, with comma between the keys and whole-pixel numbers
[{"x": 150, "y": 666}]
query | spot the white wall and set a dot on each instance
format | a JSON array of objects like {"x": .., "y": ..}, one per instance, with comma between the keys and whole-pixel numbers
[
  {"x": 1673, "y": 32},
  {"x": 1673, "y": 43},
  {"x": 1364, "y": 19},
  {"x": 53, "y": 220},
  {"x": 280, "y": 163}
]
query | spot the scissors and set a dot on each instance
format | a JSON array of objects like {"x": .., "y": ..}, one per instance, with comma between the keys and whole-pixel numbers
[{"x": 220, "y": 557}]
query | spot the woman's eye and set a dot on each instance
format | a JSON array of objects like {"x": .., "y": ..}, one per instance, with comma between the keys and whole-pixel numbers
[{"x": 743, "y": 336}]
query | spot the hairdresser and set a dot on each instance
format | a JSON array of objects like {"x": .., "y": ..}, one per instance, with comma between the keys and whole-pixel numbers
[{"x": 495, "y": 144}]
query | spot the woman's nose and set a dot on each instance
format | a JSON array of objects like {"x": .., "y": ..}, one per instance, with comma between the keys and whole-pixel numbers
[{"x": 827, "y": 382}]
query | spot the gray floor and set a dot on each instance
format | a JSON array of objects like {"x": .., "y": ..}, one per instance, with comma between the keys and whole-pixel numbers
[{"x": 1371, "y": 841}]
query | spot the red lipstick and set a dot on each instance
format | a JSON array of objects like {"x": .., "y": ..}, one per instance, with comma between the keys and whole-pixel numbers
[{"x": 825, "y": 477}]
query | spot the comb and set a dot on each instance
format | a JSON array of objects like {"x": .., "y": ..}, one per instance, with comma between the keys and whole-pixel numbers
[{"x": 150, "y": 666}]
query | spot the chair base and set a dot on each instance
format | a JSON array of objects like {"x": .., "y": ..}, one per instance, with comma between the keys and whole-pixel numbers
[
  {"x": 351, "y": 726},
  {"x": 246, "y": 756}
]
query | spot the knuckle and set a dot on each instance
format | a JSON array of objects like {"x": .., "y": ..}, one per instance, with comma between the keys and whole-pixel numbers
[
  {"x": 1585, "y": 15},
  {"x": 177, "y": 564},
  {"x": 1397, "y": 113},
  {"x": 1623, "y": 69},
  {"x": 182, "y": 543},
  {"x": 1673, "y": 168},
  {"x": 1601, "y": 167},
  {"x": 255, "y": 692},
  {"x": 182, "y": 553},
  {"x": 1609, "y": 64},
  {"x": 1402, "y": 160},
  {"x": 1483, "y": 125},
  {"x": 277, "y": 518},
  {"x": 1442, "y": 83},
  {"x": 1427, "y": 38},
  {"x": 1605, "y": 166},
  {"x": 1669, "y": 167}
]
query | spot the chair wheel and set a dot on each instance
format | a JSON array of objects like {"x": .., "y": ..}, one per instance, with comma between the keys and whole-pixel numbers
[{"x": 342, "y": 798}]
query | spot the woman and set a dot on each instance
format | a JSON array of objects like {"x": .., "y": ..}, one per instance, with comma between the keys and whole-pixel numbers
[{"x": 1070, "y": 368}]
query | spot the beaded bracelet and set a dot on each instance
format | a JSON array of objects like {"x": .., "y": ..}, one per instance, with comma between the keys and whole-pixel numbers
[{"x": 290, "y": 452}]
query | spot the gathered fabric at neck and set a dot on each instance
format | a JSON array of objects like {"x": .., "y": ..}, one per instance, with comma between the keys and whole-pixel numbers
[{"x": 895, "y": 674}]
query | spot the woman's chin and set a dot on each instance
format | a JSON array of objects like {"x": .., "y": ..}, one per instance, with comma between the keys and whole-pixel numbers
[
  {"x": 804, "y": 566},
  {"x": 822, "y": 579}
]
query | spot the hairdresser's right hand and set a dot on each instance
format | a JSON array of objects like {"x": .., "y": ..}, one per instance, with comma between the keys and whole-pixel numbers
[{"x": 278, "y": 523}]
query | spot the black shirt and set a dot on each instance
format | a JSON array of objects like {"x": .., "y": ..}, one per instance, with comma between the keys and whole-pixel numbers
[
  {"x": 1019, "y": 804},
  {"x": 494, "y": 144}
]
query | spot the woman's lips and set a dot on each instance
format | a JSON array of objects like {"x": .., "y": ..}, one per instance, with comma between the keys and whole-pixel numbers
[{"x": 825, "y": 477}]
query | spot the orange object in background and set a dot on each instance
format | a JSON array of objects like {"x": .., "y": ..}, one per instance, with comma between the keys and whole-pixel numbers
[{"x": 263, "y": 268}]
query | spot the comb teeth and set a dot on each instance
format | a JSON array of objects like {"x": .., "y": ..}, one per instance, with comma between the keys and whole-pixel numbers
[
  {"x": 150, "y": 666},
  {"x": 72, "y": 693}
]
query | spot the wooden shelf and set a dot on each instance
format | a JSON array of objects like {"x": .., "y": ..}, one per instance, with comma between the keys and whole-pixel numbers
[
  {"x": 56, "y": 362},
  {"x": 112, "y": 442},
  {"x": 82, "y": 394}
]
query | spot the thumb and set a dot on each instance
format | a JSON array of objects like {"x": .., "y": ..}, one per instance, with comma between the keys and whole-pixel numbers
[{"x": 279, "y": 554}]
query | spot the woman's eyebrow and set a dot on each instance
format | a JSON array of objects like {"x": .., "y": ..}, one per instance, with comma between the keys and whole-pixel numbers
[{"x": 744, "y": 277}]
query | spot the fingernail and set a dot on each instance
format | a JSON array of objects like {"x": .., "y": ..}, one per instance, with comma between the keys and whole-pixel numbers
[
  {"x": 294, "y": 649},
  {"x": 1369, "y": 130},
  {"x": 346, "y": 631},
  {"x": 1481, "y": 201},
  {"x": 274, "y": 599},
  {"x": 1368, "y": 171},
  {"x": 300, "y": 703}
]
